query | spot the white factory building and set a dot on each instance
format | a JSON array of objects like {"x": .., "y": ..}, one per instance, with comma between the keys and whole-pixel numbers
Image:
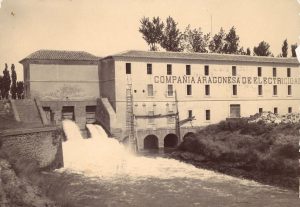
[{"x": 206, "y": 88}]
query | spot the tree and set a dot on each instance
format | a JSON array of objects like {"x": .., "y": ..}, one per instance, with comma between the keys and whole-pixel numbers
[
  {"x": 195, "y": 41},
  {"x": 248, "y": 51},
  {"x": 262, "y": 49},
  {"x": 20, "y": 89},
  {"x": 172, "y": 37},
  {"x": 284, "y": 48},
  {"x": 241, "y": 51},
  {"x": 6, "y": 83},
  {"x": 217, "y": 43},
  {"x": 152, "y": 31},
  {"x": 293, "y": 49},
  {"x": 13, "y": 88},
  {"x": 231, "y": 42}
]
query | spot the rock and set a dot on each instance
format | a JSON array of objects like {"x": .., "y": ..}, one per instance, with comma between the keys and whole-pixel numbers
[{"x": 16, "y": 191}]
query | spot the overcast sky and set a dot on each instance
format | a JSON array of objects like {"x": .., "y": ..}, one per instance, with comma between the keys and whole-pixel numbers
[{"x": 104, "y": 27}]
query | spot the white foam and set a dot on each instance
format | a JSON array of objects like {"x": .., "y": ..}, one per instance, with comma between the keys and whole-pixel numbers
[{"x": 101, "y": 156}]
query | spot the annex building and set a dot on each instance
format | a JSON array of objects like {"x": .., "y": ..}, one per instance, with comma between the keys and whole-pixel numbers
[{"x": 160, "y": 88}]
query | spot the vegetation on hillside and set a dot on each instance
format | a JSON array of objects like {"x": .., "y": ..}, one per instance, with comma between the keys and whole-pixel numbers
[{"x": 268, "y": 148}]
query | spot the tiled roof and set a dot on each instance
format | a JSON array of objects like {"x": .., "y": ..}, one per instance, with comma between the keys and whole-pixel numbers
[
  {"x": 61, "y": 55},
  {"x": 202, "y": 56}
]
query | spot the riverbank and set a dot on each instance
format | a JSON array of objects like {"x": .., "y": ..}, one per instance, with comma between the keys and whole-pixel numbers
[
  {"x": 267, "y": 153},
  {"x": 17, "y": 190}
]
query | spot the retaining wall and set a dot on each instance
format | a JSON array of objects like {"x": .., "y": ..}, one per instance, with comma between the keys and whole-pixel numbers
[{"x": 43, "y": 145}]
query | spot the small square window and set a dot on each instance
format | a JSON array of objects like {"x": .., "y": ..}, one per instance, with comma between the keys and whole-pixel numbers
[
  {"x": 207, "y": 90},
  {"x": 149, "y": 69},
  {"x": 259, "y": 71},
  {"x": 206, "y": 70},
  {"x": 260, "y": 90},
  {"x": 289, "y": 90},
  {"x": 234, "y": 90},
  {"x": 189, "y": 90},
  {"x": 169, "y": 69},
  {"x": 170, "y": 90},
  {"x": 275, "y": 90},
  {"x": 207, "y": 115},
  {"x": 150, "y": 89},
  {"x": 233, "y": 70},
  {"x": 288, "y": 72},
  {"x": 188, "y": 69},
  {"x": 274, "y": 72},
  {"x": 128, "y": 68},
  {"x": 190, "y": 113},
  {"x": 275, "y": 110}
]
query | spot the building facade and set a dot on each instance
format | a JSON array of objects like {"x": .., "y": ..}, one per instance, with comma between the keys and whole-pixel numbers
[
  {"x": 198, "y": 89},
  {"x": 65, "y": 82}
]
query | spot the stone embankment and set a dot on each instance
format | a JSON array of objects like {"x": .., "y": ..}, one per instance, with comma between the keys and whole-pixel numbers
[{"x": 18, "y": 191}]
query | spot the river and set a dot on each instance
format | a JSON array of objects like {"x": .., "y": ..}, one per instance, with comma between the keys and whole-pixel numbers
[{"x": 100, "y": 172}]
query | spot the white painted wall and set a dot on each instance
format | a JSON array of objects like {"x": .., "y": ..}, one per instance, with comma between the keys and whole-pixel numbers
[
  {"x": 219, "y": 100},
  {"x": 49, "y": 81}
]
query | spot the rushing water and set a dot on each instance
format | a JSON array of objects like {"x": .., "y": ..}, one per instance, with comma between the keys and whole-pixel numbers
[{"x": 107, "y": 175}]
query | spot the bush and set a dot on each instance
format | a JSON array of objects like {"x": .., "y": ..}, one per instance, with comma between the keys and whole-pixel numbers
[{"x": 269, "y": 148}]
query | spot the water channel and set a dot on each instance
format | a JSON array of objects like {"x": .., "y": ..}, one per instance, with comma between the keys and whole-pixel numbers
[{"x": 100, "y": 172}]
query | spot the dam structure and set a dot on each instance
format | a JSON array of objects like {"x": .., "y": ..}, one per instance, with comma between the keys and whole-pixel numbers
[{"x": 155, "y": 99}]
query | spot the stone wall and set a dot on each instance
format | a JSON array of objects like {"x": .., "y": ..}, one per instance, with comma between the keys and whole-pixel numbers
[{"x": 43, "y": 145}]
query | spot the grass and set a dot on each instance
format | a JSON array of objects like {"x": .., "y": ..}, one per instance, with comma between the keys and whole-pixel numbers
[{"x": 272, "y": 149}]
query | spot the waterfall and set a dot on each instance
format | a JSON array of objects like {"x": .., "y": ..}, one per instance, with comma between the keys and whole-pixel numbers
[{"x": 101, "y": 156}]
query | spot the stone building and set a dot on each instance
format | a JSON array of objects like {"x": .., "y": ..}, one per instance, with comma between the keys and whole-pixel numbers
[
  {"x": 201, "y": 89},
  {"x": 65, "y": 82}
]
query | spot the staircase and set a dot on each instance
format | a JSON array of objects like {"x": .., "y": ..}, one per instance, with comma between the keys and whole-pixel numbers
[
  {"x": 28, "y": 112},
  {"x": 130, "y": 119}
]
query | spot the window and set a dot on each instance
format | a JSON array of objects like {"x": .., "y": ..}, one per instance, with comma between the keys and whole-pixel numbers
[
  {"x": 275, "y": 110},
  {"x": 207, "y": 90},
  {"x": 190, "y": 113},
  {"x": 275, "y": 90},
  {"x": 150, "y": 89},
  {"x": 150, "y": 119},
  {"x": 149, "y": 69},
  {"x": 206, "y": 70},
  {"x": 170, "y": 90},
  {"x": 260, "y": 110},
  {"x": 274, "y": 72},
  {"x": 90, "y": 114},
  {"x": 259, "y": 71},
  {"x": 290, "y": 110},
  {"x": 289, "y": 90},
  {"x": 188, "y": 69},
  {"x": 260, "y": 91},
  {"x": 189, "y": 90},
  {"x": 235, "y": 111},
  {"x": 169, "y": 69},
  {"x": 234, "y": 90},
  {"x": 128, "y": 68},
  {"x": 68, "y": 113},
  {"x": 207, "y": 115},
  {"x": 233, "y": 70},
  {"x": 288, "y": 72}
]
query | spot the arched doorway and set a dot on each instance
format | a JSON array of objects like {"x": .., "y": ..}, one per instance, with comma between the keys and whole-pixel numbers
[
  {"x": 189, "y": 134},
  {"x": 151, "y": 142},
  {"x": 171, "y": 140}
]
